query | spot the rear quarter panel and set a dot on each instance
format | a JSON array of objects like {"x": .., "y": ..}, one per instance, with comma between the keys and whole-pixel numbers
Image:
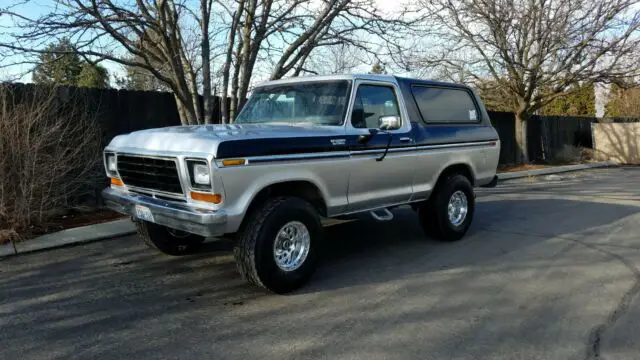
[{"x": 481, "y": 159}]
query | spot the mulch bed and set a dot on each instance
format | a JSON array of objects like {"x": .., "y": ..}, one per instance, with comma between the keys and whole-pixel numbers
[
  {"x": 77, "y": 219},
  {"x": 72, "y": 219}
]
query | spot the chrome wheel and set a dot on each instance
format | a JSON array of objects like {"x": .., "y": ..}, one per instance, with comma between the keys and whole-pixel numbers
[
  {"x": 292, "y": 245},
  {"x": 457, "y": 208}
]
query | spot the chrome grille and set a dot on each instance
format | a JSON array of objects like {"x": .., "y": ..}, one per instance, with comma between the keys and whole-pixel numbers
[{"x": 149, "y": 173}]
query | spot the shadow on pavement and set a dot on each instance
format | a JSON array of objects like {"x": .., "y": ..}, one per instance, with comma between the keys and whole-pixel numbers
[{"x": 117, "y": 297}]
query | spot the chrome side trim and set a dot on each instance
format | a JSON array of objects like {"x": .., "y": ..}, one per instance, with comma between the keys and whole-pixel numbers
[
  {"x": 423, "y": 147},
  {"x": 255, "y": 160},
  {"x": 381, "y": 150},
  {"x": 456, "y": 145},
  {"x": 385, "y": 206}
]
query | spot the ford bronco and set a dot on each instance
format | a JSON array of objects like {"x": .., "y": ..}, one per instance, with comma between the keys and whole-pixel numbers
[{"x": 303, "y": 149}]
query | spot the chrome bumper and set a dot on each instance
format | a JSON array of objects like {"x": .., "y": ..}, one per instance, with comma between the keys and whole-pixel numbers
[{"x": 168, "y": 213}]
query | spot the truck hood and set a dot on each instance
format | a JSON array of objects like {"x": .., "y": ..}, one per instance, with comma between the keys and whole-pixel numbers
[{"x": 205, "y": 139}]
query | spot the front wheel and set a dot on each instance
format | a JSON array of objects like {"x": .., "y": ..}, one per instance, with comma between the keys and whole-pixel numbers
[
  {"x": 448, "y": 213},
  {"x": 277, "y": 249}
]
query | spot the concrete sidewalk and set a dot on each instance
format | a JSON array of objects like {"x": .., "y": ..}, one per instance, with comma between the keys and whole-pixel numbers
[
  {"x": 125, "y": 227},
  {"x": 75, "y": 236},
  {"x": 553, "y": 170}
]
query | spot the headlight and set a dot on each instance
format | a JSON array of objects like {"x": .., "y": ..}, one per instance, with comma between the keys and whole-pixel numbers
[
  {"x": 201, "y": 174},
  {"x": 111, "y": 163}
]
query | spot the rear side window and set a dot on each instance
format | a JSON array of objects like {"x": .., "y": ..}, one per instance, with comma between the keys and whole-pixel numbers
[{"x": 442, "y": 105}]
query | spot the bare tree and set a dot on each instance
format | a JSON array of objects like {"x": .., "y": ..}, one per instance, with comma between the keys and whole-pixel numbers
[
  {"x": 153, "y": 35},
  {"x": 339, "y": 59},
  {"x": 524, "y": 46},
  {"x": 285, "y": 33},
  {"x": 204, "y": 20},
  {"x": 180, "y": 43}
]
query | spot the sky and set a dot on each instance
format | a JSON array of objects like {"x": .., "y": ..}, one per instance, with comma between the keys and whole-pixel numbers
[{"x": 34, "y": 8}]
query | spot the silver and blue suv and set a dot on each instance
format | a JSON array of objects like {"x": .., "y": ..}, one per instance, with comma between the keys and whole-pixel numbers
[{"x": 304, "y": 149}]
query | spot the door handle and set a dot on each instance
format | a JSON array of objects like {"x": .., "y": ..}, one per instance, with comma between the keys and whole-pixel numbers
[{"x": 405, "y": 139}]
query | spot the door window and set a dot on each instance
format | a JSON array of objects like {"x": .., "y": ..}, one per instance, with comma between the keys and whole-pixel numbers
[{"x": 372, "y": 102}]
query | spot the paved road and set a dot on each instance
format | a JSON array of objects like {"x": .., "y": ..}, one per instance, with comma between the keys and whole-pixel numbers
[{"x": 548, "y": 271}]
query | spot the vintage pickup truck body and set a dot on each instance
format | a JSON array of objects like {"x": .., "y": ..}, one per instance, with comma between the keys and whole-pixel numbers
[{"x": 349, "y": 166}]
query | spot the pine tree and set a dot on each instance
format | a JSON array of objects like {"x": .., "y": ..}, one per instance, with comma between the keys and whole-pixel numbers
[{"x": 60, "y": 65}]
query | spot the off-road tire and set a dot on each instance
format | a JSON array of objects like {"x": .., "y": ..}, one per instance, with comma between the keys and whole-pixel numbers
[
  {"x": 160, "y": 238},
  {"x": 433, "y": 216},
  {"x": 253, "y": 250}
]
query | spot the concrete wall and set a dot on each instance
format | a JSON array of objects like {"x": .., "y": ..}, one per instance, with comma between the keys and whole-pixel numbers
[{"x": 619, "y": 142}]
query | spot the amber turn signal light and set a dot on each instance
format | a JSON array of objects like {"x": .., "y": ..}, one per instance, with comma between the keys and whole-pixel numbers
[
  {"x": 234, "y": 162},
  {"x": 116, "y": 182},
  {"x": 211, "y": 198}
]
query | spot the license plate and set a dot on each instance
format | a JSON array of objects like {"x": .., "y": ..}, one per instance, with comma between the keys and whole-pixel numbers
[{"x": 143, "y": 213}]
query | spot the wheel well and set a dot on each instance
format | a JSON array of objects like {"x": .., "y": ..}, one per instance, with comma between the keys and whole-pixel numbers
[
  {"x": 301, "y": 189},
  {"x": 449, "y": 171},
  {"x": 462, "y": 169}
]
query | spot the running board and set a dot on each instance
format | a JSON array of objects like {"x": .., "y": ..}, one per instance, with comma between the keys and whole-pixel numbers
[{"x": 385, "y": 216}]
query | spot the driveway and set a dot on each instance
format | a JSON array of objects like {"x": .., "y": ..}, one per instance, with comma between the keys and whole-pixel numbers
[{"x": 549, "y": 270}]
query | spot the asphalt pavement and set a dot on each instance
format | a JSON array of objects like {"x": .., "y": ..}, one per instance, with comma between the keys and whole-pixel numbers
[{"x": 549, "y": 270}]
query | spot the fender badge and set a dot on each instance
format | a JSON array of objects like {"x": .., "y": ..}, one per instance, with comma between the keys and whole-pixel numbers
[{"x": 338, "y": 141}]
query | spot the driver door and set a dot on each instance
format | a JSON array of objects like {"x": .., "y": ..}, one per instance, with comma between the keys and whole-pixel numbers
[{"x": 376, "y": 183}]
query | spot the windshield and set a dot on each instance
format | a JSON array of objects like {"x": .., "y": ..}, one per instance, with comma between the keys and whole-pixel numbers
[{"x": 320, "y": 103}]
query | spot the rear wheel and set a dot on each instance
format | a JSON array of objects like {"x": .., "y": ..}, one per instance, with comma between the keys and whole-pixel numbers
[
  {"x": 448, "y": 213},
  {"x": 166, "y": 240},
  {"x": 277, "y": 249}
]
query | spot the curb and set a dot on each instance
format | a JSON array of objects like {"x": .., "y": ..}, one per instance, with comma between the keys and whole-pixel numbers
[
  {"x": 70, "y": 237},
  {"x": 554, "y": 170}
]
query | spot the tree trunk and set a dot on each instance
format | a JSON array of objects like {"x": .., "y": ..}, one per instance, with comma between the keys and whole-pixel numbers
[
  {"x": 206, "y": 66},
  {"x": 247, "y": 48},
  {"x": 195, "y": 98},
  {"x": 224, "y": 105},
  {"x": 233, "y": 107},
  {"x": 521, "y": 118},
  {"x": 185, "y": 111}
]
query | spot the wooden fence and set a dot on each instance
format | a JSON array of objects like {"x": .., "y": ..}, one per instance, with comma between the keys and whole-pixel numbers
[
  {"x": 124, "y": 111},
  {"x": 547, "y": 136}
]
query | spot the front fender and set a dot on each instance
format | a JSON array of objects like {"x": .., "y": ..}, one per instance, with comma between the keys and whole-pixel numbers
[{"x": 243, "y": 183}]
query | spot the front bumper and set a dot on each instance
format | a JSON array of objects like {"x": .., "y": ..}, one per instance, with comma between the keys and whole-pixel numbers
[{"x": 168, "y": 213}]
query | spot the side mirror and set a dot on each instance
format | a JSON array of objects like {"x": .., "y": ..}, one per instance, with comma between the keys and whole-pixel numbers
[{"x": 389, "y": 122}]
